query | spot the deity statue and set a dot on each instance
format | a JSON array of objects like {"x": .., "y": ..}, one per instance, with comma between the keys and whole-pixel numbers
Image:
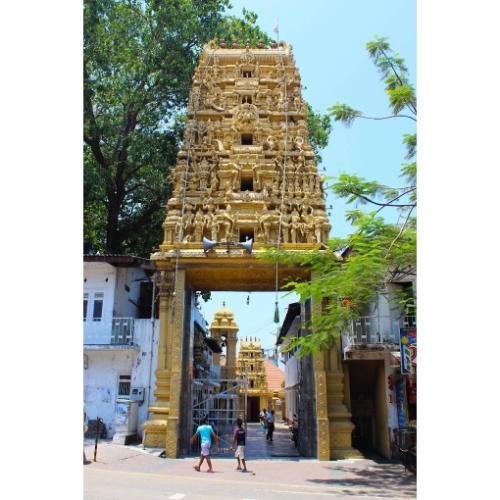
[
  {"x": 198, "y": 225},
  {"x": 203, "y": 173},
  {"x": 225, "y": 221}
]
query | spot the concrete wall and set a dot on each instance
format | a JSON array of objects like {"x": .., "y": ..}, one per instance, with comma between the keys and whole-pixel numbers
[
  {"x": 99, "y": 277},
  {"x": 101, "y": 383},
  {"x": 106, "y": 365},
  {"x": 130, "y": 277},
  {"x": 392, "y": 408}
]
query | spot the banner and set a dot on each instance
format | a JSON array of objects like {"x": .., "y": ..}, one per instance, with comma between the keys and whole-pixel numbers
[
  {"x": 407, "y": 344},
  {"x": 400, "y": 402}
]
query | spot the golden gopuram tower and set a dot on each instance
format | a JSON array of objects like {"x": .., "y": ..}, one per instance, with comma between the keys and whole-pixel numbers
[
  {"x": 224, "y": 328},
  {"x": 245, "y": 172},
  {"x": 252, "y": 364}
]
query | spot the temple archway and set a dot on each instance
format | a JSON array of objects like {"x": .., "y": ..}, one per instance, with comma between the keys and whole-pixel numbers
[{"x": 245, "y": 181}]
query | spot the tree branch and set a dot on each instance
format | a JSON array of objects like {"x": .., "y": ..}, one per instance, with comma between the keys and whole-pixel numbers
[
  {"x": 413, "y": 108},
  {"x": 93, "y": 141},
  {"x": 400, "y": 231},
  {"x": 386, "y": 117},
  {"x": 394, "y": 199},
  {"x": 388, "y": 204}
]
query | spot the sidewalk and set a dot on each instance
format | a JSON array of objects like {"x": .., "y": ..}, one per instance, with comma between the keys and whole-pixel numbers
[{"x": 363, "y": 477}]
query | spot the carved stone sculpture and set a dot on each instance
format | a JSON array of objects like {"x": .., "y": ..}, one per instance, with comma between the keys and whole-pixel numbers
[{"x": 241, "y": 150}]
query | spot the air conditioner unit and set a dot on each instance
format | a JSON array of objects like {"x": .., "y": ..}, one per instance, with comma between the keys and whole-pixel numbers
[{"x": 137, "y": 394}]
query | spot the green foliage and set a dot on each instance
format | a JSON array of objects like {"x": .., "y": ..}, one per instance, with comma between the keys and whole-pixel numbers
[
  {"x": 319, "y": 127},
  {"x": 410, "y": 141},
  {"x": 139, "y": 57},
  {"x": 344, "y": 113},
  {"x": 402, "y": 96},
  {"x": 236, "y": 30},
  {"x": 379, "y": 252},
  {"x": 357, "y": 278}
]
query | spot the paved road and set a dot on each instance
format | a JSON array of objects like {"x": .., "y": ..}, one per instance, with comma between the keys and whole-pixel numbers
[{"x": 129, "y": 472}]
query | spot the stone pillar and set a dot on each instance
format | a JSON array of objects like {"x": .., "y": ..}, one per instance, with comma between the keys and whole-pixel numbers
[
  {"x": 161, "y": 430},
  {"x": 341, "y": 425},
  {"x": 231, "y": 354},
  {"x": 175, "y": 365},
  {"x": 155, "y": 428},
  {"x": 334, "y": 425},
  {"x": 322, "y": 422}
]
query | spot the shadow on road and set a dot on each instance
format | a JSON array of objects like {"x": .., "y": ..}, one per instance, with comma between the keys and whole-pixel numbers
[{"x": 382, "y": 475}]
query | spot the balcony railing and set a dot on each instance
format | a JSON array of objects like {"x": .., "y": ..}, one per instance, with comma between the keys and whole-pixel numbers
[
  {"x": 120, "y": 331},
  {"x": 376, "y": 330}
]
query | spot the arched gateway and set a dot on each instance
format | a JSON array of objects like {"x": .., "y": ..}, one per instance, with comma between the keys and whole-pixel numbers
[{"x": 246, "y": 172}]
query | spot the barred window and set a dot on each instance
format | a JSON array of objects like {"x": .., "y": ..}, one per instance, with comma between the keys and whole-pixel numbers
[
  {"x": 124, "y": 386},
  {"x": 85, "y": 305},
  {"x": 98, "y": 303}
]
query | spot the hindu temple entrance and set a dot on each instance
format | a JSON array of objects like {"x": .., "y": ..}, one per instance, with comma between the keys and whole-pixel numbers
[{"x": 245, "y": 181}]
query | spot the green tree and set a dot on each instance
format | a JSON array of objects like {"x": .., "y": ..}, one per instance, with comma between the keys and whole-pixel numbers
[
  {"x": 139, "y": 57},
  {"x": 347, "y": 277},
  {"x": 319, "y": 127}
]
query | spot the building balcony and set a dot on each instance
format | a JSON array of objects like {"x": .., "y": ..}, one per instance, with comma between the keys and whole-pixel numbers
[
  {"x": 115, "y": 334},
  {"x": 377, "y": 330}
]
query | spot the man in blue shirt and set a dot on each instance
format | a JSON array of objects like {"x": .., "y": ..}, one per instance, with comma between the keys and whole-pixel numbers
[{"x": 206, "y": 433}]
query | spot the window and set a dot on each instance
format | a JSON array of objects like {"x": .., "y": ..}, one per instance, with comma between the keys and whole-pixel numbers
[
  {"x": 247, "y": 74},
  {"x": 85, "y": 305},
  {"x": 245, "y": 235},
  {"x": 247, "y": 183},
  {"x": 246, "y": 139},
  {"x": 98, "y": 301},
  {"x": 124, "y": 386},
  {"x": 251, "y": 384},
  {"x": 246, "y": 99}
]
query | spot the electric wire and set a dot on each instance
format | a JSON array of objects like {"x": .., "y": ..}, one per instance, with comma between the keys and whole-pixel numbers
[{"x": 283, "y": 186}]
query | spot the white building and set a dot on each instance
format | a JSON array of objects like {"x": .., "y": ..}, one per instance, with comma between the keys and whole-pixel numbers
[
  {"x": 379, "y": 399},
  {"x": 121, "y": 338},
  {"x": 120, "y": 335},
  {"x": 290, "y": 328}
]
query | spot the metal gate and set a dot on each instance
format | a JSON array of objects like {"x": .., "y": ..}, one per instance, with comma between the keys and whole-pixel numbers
[{"x": 223, "y": 400}]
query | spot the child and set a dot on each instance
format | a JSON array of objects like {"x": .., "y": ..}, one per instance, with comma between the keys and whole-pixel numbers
[
  {"x": 206, "y": 434},
  {"x": 239, "y": 440}
]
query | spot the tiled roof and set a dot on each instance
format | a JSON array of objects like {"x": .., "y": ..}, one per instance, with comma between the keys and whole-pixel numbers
[{"x": 275, "y": 376}]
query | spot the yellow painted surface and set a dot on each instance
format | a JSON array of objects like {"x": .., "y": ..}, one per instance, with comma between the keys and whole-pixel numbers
[
  {"x": 382, "y": 443},
  {"x": 236, "y": 178}
]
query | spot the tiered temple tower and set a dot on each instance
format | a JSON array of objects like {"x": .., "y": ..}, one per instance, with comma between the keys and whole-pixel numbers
[
  {"x": 246, "y": 170},
  {"x": 251, "y": 361},
  {"x": 224, "y": 328},
  {"x": 251, "y": 364}
]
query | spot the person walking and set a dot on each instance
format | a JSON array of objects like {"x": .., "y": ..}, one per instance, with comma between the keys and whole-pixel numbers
[
  {"x": 206, "y": 433},
  {"x": 263, "y": 420},
  {"x": 239, "y": 438},
  {"x": 270, "y": 425}
]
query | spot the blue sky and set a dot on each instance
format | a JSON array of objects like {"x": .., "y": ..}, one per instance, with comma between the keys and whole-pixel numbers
[{"x": 329, "y": 38}]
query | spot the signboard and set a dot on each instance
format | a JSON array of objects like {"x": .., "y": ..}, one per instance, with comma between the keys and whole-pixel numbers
[
  {"x": 407, "y": 344},
  {"x": 400, "y": 402}
]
